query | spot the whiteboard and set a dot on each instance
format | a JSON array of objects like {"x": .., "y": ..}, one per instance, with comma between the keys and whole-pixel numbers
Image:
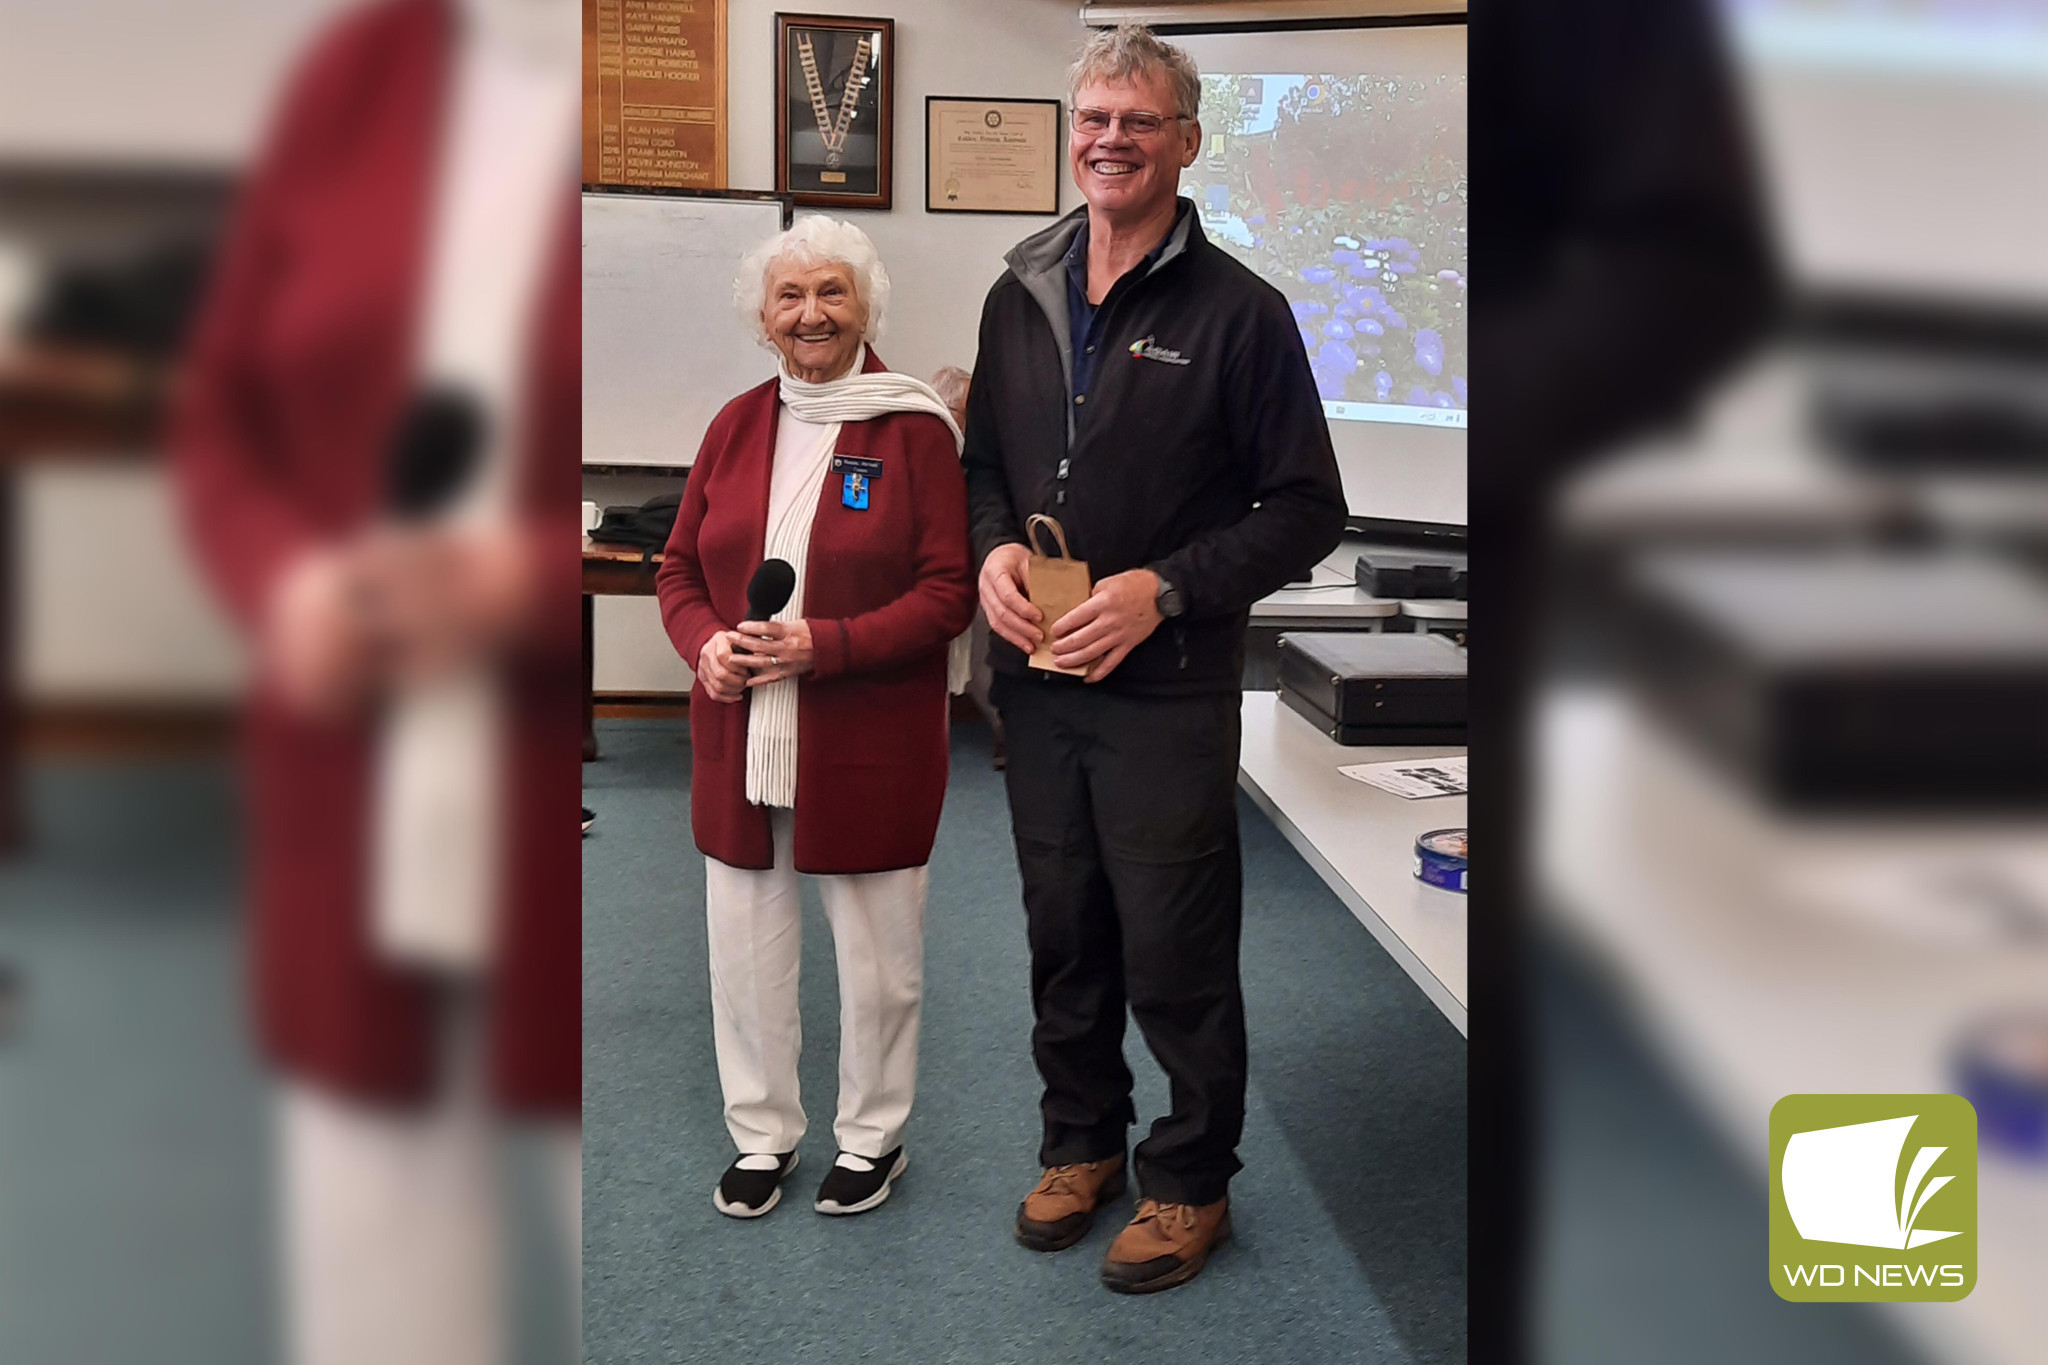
[{"x": 663, "y": 347}]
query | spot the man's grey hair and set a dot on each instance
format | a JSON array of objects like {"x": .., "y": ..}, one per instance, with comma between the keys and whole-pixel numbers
[
  {"x": 814, "y": 240},
  {"x": 1132, "y": 52},
  {"x": 951, "y": 383}
]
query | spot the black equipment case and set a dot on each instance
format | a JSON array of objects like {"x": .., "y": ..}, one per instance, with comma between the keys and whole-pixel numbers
[
  {"x": 1410, "y": 576},
  {"x": 1360, "y": 688}
]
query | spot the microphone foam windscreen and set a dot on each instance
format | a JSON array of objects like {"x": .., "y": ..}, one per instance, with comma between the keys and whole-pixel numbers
[
  {"x": 434, "y": 452},
  {"x": 770, "y": 589}
]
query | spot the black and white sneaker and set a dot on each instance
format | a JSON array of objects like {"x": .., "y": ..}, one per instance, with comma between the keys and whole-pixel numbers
[
  {"x": 856, "y": 1184},
  {"x": 752, "y": 1185},
  {"x": 589, "y": 819}
]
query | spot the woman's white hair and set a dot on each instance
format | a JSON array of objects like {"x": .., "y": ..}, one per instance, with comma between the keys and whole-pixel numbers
[
  {"x": 814, "y": 240},
  {"x": 1131, "y": 52}
]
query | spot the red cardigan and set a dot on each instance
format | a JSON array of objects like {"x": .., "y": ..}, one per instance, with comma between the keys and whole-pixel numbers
[
  {"x": 885, "y": 589},
  {"x": 301, "y": 367}
]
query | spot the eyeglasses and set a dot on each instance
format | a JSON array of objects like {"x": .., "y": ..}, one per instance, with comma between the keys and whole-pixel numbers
[{"x": 1138, "y": 126}]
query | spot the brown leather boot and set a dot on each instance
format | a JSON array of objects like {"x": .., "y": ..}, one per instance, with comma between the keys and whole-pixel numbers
[
  {"x": 1061, "y": 1210},
  {"x": 1165, "y": 1245}
]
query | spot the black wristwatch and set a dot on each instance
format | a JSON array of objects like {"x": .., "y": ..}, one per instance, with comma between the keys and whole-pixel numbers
[{"x": 1169, "y": 598}]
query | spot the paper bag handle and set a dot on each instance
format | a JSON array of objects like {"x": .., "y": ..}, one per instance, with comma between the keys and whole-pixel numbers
[{"x": 1031, "y": 525}]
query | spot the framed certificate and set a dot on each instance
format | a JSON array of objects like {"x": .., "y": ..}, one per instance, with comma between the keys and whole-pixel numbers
[
  {"x": 835, "y": 85},
  {"x": 992, "y": 156}
]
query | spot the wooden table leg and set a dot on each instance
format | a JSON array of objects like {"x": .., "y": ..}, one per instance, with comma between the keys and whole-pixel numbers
[
  {"x": 13, "y": 817},
  {"x": 589, "y": 677}
]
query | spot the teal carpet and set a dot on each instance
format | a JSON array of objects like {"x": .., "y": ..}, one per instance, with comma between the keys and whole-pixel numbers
[
  {"x": 133, "y": 1147},
  {"x": 1349, "y": 1215}
]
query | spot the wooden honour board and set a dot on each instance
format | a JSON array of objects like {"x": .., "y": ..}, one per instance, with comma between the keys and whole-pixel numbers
[{"x": 654, "y": 93}]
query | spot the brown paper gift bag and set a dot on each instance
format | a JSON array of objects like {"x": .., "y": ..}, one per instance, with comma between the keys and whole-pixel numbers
[{"x": 1056, "y": 586}]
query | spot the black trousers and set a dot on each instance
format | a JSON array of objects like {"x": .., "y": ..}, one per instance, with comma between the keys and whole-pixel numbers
[{"x": 1125, "y": 812}]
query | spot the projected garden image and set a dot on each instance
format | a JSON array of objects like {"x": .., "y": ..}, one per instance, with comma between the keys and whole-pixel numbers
[{"x": 1348, "y": 193}]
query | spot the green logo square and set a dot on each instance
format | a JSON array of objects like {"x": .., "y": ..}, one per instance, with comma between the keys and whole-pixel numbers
[{"x": 1873, "y": 1198}]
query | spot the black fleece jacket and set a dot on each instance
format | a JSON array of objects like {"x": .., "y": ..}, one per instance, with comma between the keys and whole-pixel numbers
[{"x": 1201, "y": 452}]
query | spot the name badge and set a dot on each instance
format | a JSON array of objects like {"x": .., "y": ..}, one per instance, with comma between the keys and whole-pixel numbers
[{"x": 856, "y": 473}]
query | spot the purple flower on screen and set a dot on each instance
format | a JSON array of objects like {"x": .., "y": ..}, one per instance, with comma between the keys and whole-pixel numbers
[
  {"x": 1458, "y": 388},
  {"x": 1304, "y": 309},
  {"x": 1256, "y": 220},
  {"x": 1394, "y": 319},
  {"x": 1336, "y": 329},
  {"x": 1447, "y": 276},
  {"x": 1442, "y": 399},
  {"x": 1418, "y": 397},
  {"x": 1338, "y": 358},
  {"x": 1368, "y": 348},
  {"x": 1372, "y": 327},
  {"x": 1429, "y": 349},
  {"x": 1402, "y": 268},
  {"x": 1383, "y": 385},
  {"x": 1343, "y": 257},
  {"x": 1363, "y": 270},
  {"x": 1318, "y": 274},
  {"x": 1308, "y": 338}
]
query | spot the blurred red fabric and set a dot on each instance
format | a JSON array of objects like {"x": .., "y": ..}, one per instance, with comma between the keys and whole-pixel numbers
[{"x": 300, "y": 370}]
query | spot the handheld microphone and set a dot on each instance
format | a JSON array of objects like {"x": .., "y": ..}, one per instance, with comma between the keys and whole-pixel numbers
[
  {"x": 434, "y": 453},
  {"x": 770, "y": 590}
]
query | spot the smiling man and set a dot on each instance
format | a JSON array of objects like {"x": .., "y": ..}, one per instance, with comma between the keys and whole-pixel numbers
[{"x": 1151, "y": 394}]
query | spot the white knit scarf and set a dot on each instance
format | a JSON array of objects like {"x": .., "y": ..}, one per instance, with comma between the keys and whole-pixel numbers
[
  {"x": 438, "y": 842},
  {"x": 853, "y": 397}
]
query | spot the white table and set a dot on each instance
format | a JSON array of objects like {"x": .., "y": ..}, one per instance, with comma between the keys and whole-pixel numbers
[
  {"x": 1361, "y": 840},
  {"x": 1435, "y": 613},
  {"x": 1332, "y": 600},
  {"x": 1761, "y": 957},
  {"x": 1324, "y": 608}
]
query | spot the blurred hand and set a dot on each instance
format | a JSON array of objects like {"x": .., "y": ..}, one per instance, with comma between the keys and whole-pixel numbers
[
  {"x": 318, "y": 645},
  {"x": 1005, "y": 599},
  {"x": 718, "y": 670},
  {"x": 774, "y": 650},
  {"x": 448, "y": 597},
  {"x": 1117, "y": 617}
]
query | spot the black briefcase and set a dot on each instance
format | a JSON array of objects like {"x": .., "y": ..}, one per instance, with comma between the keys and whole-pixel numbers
[
  {"x": 1360, "y": 688},
  {"x": 1392, "y": 574}
]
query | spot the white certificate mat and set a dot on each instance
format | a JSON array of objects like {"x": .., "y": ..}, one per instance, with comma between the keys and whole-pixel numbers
[{"x": 1414, "y": 778}]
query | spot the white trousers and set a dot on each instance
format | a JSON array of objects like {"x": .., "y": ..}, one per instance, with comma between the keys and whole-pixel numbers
[
  {"x": 755, "y": 929},
  {"x": 393, "y": 1224}
]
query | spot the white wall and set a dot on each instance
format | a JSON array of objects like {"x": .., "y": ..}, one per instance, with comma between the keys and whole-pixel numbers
[
  {"x": 940, "y": 265},
  {"x": 112, "y": 608},
  {"x": 130, "y": 82}
]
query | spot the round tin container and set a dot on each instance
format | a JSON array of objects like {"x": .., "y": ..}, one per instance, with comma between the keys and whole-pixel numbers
[
  {"x": 2002, "y": 1070},
  {"x": 1440, "y": 859}
]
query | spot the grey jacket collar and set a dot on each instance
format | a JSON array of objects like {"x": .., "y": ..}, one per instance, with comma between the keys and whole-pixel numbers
[
  {"x": 1045, "y": 253},
  {"x": 1039, "y": 263}
]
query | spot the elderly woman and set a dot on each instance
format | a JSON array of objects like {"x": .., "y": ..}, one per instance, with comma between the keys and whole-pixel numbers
[{"x": 819, "y": 735}]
